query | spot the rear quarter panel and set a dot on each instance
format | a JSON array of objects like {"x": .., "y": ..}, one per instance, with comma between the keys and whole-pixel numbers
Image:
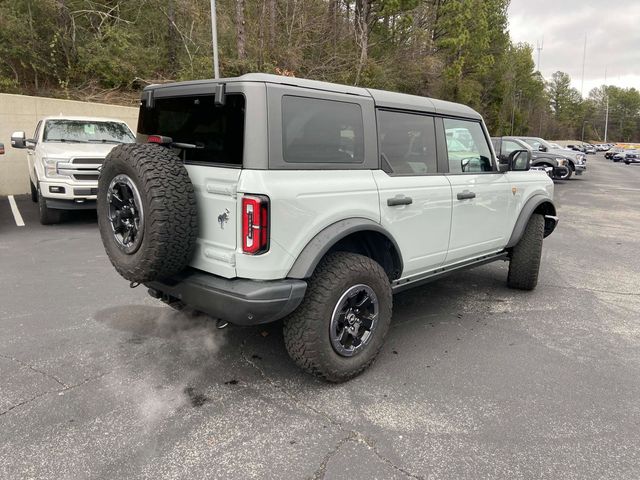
[{"x": 303, "y": 203}]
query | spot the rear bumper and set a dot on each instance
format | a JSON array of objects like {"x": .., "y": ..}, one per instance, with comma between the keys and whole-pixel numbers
[{"x": 239, "y": 301}]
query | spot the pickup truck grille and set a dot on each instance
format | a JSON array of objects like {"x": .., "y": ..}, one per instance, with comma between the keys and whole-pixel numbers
[{"x": 82, "y": 169}]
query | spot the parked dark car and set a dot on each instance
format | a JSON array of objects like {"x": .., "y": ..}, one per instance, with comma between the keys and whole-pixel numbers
[
  {"x": 577, "y": 160},
  {"x": 631, "y": 157},
  {"x": 559, "y": 164},
  {"x": 618, "y": 156},
  {"x": 609, "y": 154}
]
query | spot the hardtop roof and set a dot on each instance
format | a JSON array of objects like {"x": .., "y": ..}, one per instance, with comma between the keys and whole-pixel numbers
[{"x": 382, "y": 98}]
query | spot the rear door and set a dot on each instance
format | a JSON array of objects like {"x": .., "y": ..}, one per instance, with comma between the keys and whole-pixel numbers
[
  {"x": 415, "y": 200},
  {"x": 214, "y": 160},
  {"x": 480, "y": 193}
]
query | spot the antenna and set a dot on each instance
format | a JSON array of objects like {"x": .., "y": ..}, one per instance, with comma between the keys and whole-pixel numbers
[
  {"x": 584, "y": 59},
  {"x": 539, "y": 47},
  {"x": 606, "y": 117}
]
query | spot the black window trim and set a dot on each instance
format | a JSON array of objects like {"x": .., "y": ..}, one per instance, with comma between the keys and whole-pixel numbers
[{"x": 275, "y": 92}]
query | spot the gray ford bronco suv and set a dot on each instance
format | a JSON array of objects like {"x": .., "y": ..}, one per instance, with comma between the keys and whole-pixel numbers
[{"x": 260, "y": 198}]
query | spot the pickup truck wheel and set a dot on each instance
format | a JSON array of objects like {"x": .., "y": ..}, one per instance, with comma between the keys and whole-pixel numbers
[
  {"x": 48, "y": 216},
  {"x": 567, "y": 175},
  {"x": 146, "y": 212},
  {"x": 34, "y": 192},
  {"x": 340, "y": 326},
  {"x": 525, "y": 256}
]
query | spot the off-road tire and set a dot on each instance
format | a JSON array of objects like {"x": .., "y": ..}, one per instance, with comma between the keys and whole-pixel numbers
[
  {"x": 34, "y": 192},
  {"x": 306, "y": 331},
  {"x": 48, "y": 216},
  {"x": 168, "y": 199},
  {"x": 525, "y": 256}
]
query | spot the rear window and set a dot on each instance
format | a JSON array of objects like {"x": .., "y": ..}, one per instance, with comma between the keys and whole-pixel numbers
[
  {"x": 321, "y": 131},
  {"x": 217, "y": 131}
]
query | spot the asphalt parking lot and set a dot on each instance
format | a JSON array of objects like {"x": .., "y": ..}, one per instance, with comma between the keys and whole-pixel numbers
[{"x": 475, "y": 381}]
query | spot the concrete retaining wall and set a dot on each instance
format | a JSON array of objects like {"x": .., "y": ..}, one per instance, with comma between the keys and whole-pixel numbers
[{"x": 20, "y": 112}]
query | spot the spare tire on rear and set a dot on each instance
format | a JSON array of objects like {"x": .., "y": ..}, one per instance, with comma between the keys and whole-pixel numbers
[{"x": 146, "y": 212}]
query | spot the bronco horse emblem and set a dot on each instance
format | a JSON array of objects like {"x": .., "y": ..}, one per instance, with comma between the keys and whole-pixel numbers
[{"x": 223, "y": 218}]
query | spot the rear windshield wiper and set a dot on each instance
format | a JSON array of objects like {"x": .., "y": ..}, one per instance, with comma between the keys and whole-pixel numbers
[
  {"x": 168, "y": 142},
  {"x": 185, "y": 146}
]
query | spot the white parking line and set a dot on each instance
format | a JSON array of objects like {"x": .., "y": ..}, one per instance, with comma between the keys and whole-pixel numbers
[{"x": 16, "y": 213}]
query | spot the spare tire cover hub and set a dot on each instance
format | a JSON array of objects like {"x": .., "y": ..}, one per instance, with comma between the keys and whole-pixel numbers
[{"x": 126, "y": 213}]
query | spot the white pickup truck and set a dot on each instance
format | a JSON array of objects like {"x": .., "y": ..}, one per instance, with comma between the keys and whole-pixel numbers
[
  {"x": 261, "y": 198},
  {"x": 64, "y": 156}
]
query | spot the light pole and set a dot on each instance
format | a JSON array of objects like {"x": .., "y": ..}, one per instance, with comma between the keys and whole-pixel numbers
[
  {"x": 513, "y": 112},
  {"x": 606, "y": 119},
  {"x": 214, "y": 36},
  {"x": 584, "y": 122},
  {"x": 606, "y": 115}
]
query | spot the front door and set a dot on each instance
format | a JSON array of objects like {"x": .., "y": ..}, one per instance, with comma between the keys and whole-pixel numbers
[
  {"x": 480, "y": 193},
  {"x": 415, "y": 200}
]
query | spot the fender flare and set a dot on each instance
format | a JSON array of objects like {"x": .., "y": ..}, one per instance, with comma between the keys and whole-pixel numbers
[
  {"x": 319, "y": 245},
  {"x": 529, "y": 208}
]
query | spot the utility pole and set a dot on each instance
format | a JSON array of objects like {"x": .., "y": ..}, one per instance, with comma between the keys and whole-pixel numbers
[{"x": 214, "y": 36}]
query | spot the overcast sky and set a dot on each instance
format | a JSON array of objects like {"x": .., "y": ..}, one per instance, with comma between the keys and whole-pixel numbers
[{"x": 613, "y": 38}]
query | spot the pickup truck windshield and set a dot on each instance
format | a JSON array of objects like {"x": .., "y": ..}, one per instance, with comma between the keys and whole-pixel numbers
[{"x": 83, "y": 131}]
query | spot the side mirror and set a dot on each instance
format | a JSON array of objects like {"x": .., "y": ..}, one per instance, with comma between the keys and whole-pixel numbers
[
  {"x": 520, "y": 160},
  {"x": 503, "y": 163},
  {"x": 19, "y": 140},
  {"x": 542, "y": 148}
]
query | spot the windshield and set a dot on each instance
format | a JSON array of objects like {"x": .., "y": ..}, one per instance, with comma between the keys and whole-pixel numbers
[
  {"x": 83, "y": 131},
  {"x": 537, "y": 142}
]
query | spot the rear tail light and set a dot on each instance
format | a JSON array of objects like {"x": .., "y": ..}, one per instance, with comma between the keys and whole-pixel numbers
[
  {"x": 159, "y": 139},
  {"x": 255, "y": 224}
]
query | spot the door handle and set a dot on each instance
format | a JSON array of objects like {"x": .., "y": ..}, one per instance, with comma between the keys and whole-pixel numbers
[
  {"x": 399, "y": 200},
  {"x": 466, "y": 195}
]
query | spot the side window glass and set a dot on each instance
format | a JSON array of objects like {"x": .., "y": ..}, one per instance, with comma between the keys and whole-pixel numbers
[
  {"x": 321, "y": 131},
  {"x": 467, "y": 148},
  {"x": 407, "y": 143},
  {"x": 509, "y": 146}
]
